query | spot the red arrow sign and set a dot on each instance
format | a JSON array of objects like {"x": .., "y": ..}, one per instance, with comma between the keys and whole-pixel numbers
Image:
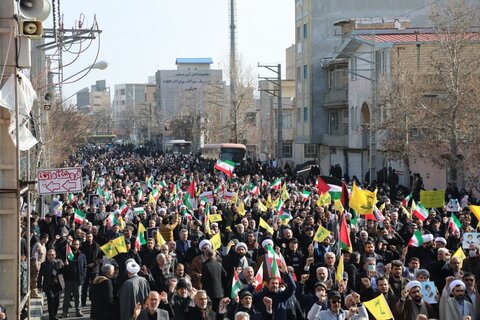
[
  {"x": 68, "y": 185},
  {"x": 52, "y": 186}
]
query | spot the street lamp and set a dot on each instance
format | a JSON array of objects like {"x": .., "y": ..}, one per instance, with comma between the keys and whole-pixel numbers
[{"x": 101, "y": 65}]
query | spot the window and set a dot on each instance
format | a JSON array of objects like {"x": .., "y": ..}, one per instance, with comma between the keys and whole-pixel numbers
[
  {"x": 299, "y": 73},
  {"x": 305, "y": 71},
  {"x": 340, "y": 78},
  {"x": 352, "y": 119},
  {"x": 297, "y": 34},
  {"x": 299, "y": 114},
  {"x": 287, "y": 120},
  {"x": 334, "y": 121},
  {"x": 381, "y": 62},
  {"x": 287, "y": 149},
  {"x": 251, "y": 118},
  {"x": 305, "y": 114},
  {"x": 310, "y": 151},
  {"x": 353, "y": 69},
  {"x": 304, "y": 31},
  {"x": 122, "y": 91},
  {"x": 345, "y": 121}
]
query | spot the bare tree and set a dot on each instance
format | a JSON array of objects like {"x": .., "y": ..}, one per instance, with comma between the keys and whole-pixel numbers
[{"x": 438, "y": 100}]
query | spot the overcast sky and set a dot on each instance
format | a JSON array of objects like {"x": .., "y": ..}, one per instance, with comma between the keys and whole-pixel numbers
[{"x": 139, "y": 37}]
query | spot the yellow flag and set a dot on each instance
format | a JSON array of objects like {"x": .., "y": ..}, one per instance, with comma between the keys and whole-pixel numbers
[
  {"x": 338, "y": 205},
  {"x": 121, "y": 223},
  {"x": 276, "y": 202},
  {"x": 476, "y": 211},
  {"x": 362, "y": 201},
  {"x": 285, "y": 196},
  {"x": 159, "y": 239},
  {"x": 382, "y": 207},
  {"x": 151, "y": 199},
  {"x": 262, "y": 207},
  {"x": 407, "y": 213},
  {"x": 120, "y": 244},
  {"x": 269, "y": 202},
  {"x": 379, "y": 308},
  {"x": 141, "y": 228},
  {"x": 265, "y": 226},
  {"x": 215, "y": 217},
  {"x": 460, "y": 254},
  {"x": 216, "y": 241},
  {"x": 109, "y": 250},
  {"x": 321, "y": 234},
  {"x": 235, "y": 198},
  {"x": 324, "y": 199},
  {"x": 340, "y": 269},
  {"x": 241, "y": 209}
]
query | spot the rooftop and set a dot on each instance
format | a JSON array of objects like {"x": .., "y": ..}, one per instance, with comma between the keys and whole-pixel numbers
[{"x": 193, "y": 61}]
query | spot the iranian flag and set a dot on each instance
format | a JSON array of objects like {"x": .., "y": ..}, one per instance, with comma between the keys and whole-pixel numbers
[
  {"x": 254, "y": 190},
  {"x": 419, "y": 211},
  {"x": 406, "y": 200},
  {"x": 79, "y": 216},
  {"x": 140, "y": 196},
  {"x": 344, "y": 235},
  {"x": 273, "y": 261},
  {"x": 191, "y": 189},
  {"x": 305, "y": 194},
  {"x": 276, "y": 184},
  {"x": 162, "y": 185},
  {"x": 218, "y": 189},
  {"x": 71, "y": 198},
  {"x": 123, "y": 209},
  {"x": 156, "y": 193},
  {"x": 279, "y": 206},
  {"x": 259, "y": 279},
  {"x": 225, "y": 166},
  {"x": 70, "y": 254},
  {"x": 454, "y": 224},
  {"x": 236, "y": 284},
  {"x": 416, "y": 240}
]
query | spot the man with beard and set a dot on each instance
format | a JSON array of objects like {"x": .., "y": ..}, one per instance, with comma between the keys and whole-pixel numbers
[
  {"x": 411, "y": 304},
  {"x": 236, "y": 259},
  {"x": 455, "y": 307},
  {"x": 200, "y": 311},
  {"x": 149, "y": 253},
  {"x": 383, "y": 287},
  {"x": 181, "y": 300},
  {"x": 396, "y": 281},
  {"x": 424, "y": 253},
  {"x": 245, "y": 305},
  {"x": 49, "y": 282}
]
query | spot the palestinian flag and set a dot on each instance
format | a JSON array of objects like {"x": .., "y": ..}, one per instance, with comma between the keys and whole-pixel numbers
[
  {"x": 149, "y": 182},
  {"x": 79, "y": 216},
  {"x": 69, "y": 254},
  {"x": 236, "y": 284},
  {"x": 305, "y": 194},
  {"x": 419, "y": 211},
  {"x": 226, "y": 167},
  {"x": 285, "y": 216},
  {"x": 323, "y": 187},
  {"x": 191, "y": 189},
  {"x": 406, "y": 200},
  {"x": 259, "y": 279},
  {"x": 111, "y": 220},
  {"x": 276, "y": 184},
  {"x": 140, "y": 196},
  {"x": 454, "y": 224},
  {"x": 416, "y": 240},
  {"x": 344, "y": 236}
]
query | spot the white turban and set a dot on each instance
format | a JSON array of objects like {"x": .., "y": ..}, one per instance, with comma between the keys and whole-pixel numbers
[
  {"x": 214, "y": 208},
  {"x": 162, "y": 210},
  {"x": 441, "y": 239},
  {"x": 427, "y": 237},
  {"x": 133, "y": 267},
  {"x": 413, "y": 284},
  {"x": 267, "y": 242},
  {"x": 204, "y": 242},
  {"x": 456, "y": 283},
  {"x": 241, "y": 245}
]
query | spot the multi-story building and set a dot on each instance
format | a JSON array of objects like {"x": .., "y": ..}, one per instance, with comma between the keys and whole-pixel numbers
[
  {"x": 180, "y": 93},
  {"x": 321, "y": 89},
  {"x": 96, "y": 102}
]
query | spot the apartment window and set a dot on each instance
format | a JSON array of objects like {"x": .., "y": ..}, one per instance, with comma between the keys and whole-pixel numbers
[
  {"x": 251, "y": 118},
  {"x": 287, "y": 120},
  {"x": 299, "y": 73},
  {"x": 352, "y": 119},
  {"x": 304, "y": 31},
  {"x": 122, "y": 91},
  {"x": 310, "y": 151},
  {"x": 353, "y": 69},
  {"x": 340, "y": 78},
  {"x": 345, "y": 121},
  {"x": 299, "y": 114},
  {"x": 381, "y": 62},
  {"x": 297, "y": 34},
  {"x": 305, "y": 71},
  {"x": 287, "y": 149},
  {"x": 334, "y": 121},
  {"x": 305, "y": 114}
]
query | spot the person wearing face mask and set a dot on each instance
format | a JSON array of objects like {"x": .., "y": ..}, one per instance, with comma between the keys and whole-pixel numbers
[
  {"x": 472, "y": 262},
  {"x": 453, "y": 306},
  {"x": 307, "y": 300},
  {"x": 335, "y": 311}
]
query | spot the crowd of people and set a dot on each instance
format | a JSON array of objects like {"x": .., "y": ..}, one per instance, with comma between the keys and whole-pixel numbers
[{"x": 170, "y": 237}]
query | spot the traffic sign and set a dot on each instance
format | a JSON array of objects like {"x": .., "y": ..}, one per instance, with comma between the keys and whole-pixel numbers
[{"x": 60, "y": 180}]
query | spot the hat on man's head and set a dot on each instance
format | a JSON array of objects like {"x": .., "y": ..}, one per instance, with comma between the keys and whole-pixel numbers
[
  {"x": 244, "y": 293},
  {"x": 334, "y": 294},
  {"x": 456, "y": 283},
  {"x": 427, "y": 237},
  {"x": 441, "y": 239},
  {"x": 412, "y": 284},
  {"x": 181, "y": 284},
  {"x": 241, "y": 245},
  {"x": 204, "y": 242},
  {"x": 321, "y": 284},
  {"x": 267, "y": 242}
]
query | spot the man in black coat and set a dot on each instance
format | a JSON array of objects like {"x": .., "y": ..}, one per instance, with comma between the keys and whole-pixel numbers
[
  {"x": 200, "y": 311},
  {"x": 49, "y": 282},
  {"x": 246, "y": 305},
  {"x": 104, "y": 305},
  {"x": 74, "y": 273},
  {"x": 91, "y": 250},
  {"x": 213, "y": 277}
]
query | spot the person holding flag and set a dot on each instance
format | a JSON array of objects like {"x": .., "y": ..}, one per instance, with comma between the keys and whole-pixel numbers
[
  {"x": 279, "y": 298},
  {"x": 74, "y": 273},
  {"x": 335, "y": 311}
]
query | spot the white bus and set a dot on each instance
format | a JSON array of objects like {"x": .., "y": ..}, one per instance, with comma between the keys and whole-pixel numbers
[
  {"x": 235, "y": 152},
  {"x": 178, "y": 147}
]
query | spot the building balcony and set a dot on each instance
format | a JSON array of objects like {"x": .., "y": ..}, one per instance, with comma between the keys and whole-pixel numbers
[
  {"x": 334, "y": 140},
  {"x": 336, "y": 97}
]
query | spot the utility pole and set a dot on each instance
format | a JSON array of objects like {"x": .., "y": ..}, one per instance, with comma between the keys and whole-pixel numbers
[
  {"x": 277, "y": 92},
  {"x": 233, "y": 75}
]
